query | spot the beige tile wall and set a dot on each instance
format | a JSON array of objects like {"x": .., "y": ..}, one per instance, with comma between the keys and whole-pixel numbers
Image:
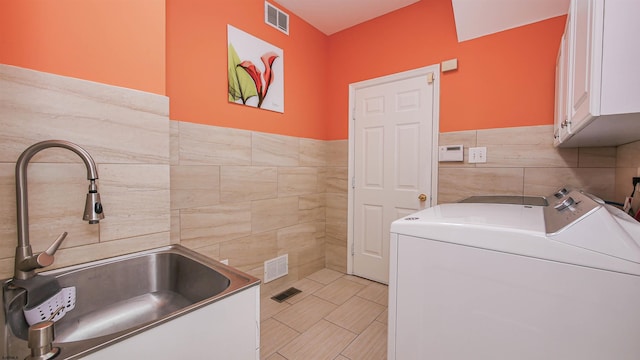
[
  {"x": 523, "y": 161},
  {"x": 627, "y": 167},
  {"x": 126, "y": 132},
  {"x": 337, "y": 182},
  {"x": 249, "y": 197}
]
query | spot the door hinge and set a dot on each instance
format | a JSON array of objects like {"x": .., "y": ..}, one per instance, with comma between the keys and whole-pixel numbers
[
  {"x": 430, "y": 78},
  {"x": 353, "y": 249},
  {"x": 353, "y": 182}
]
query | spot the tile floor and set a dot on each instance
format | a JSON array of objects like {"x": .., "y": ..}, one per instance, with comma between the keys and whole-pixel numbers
[{"x": 335, "y": 317}]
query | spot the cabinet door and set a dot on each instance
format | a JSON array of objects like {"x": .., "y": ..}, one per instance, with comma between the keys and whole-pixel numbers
[
  {"x": 585, "y": 72},
  {"x": 565, "y": 124},
  {"x": 620, "y": 58},
  {"x": 557, "y": 118},
  {"x": 561, "y": 119}
]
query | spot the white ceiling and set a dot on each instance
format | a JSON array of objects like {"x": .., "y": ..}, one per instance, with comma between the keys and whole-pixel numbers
[
  {"x": 331, "y": 16},
  {"x": 474, "y": 18}
]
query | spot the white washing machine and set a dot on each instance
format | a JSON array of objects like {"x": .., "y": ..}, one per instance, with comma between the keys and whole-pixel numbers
[{"x": 516, "y": 280}]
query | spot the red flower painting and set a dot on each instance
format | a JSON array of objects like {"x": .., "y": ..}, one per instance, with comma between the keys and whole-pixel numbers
[
  {"x": 261, "y": 83},
  {"x": 250, "y": 79}
]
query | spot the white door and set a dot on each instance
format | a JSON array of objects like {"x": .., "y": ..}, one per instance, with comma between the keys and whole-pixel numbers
[{"x": 393, "y": 147}]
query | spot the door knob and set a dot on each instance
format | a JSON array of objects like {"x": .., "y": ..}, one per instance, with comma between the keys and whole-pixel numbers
[{"x": 422, "y": 197}]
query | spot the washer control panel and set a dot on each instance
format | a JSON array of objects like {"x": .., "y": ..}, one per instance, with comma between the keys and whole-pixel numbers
[{"x": 567, "y": 207}]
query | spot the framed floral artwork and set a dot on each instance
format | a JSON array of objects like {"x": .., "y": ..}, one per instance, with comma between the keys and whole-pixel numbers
[{"x": 255, "y": 71}]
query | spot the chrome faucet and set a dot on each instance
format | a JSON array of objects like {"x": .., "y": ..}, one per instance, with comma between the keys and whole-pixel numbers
[{"x": 26, "y": 262}]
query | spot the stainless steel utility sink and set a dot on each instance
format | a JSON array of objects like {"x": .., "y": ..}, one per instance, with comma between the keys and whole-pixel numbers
[{"x": 122, "y": 296}]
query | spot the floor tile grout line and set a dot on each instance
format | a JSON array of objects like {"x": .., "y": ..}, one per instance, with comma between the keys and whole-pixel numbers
[
  {"x": 287, "y": 343},
  {"x": 357, "y": 335},
  {"x": 351, "y": 331},
  {"x": 280, "y": 322},
  {"x": 331, "y": 322},
  {"x": 349, "y": 277},
  {"x": 312, "y": 293},
  {"x": 292, "y": 284},
  {"x": 369, "y": 324},
  {"x": 340, "y": 326},
  {"x": 314, "y": 324},
  {"x": 272, "y": 315},
  {"x": 302, "y": 291},
  {"x": 373, "y": 301},
  {"x": 285, "y": 286},
  {"x": 352, "y": 341},
  {"x": 349, "y": 344}
]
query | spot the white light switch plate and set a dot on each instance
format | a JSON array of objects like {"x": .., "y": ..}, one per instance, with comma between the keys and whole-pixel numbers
[{"x": 477, "y": 155}]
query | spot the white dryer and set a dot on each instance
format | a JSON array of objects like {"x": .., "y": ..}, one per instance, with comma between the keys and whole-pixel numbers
[{"x": 557, "y": 278}]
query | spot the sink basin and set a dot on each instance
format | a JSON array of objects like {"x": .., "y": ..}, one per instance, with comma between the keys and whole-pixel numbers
[
  {"x": 123, "y": 294},
  {"x": 119, "y": 297}
]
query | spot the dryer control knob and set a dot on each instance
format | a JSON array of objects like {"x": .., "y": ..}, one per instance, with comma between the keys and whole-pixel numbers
[
  {"x": 564, "y": 203},
  {"x": 561, "y": 193}
]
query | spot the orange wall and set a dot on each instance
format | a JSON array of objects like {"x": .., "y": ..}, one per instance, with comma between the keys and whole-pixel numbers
[
  {"x": 179, "y": 47},
  {"x": 197, "y": 68},
  {"x": 118, "y": 42},
  {"x": 503, "y": 80}
]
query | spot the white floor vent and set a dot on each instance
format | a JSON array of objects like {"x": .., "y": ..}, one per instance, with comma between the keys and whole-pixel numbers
[
  {"x": 276, "y": 18},
  {"x": 276, "y": 268}
]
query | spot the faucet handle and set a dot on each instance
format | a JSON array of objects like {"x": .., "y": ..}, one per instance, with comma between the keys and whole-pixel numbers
[
  {"x": 56, "y": 244},
  {"x": 45, "y": 258}
]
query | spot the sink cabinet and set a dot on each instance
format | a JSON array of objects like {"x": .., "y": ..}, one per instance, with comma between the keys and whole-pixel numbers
[
  {"x": 227, "y": 329},
  {"x": 597, "y": 75}
]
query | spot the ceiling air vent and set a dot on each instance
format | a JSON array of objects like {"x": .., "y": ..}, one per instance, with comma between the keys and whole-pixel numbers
[{"x": 276, "y": 18}]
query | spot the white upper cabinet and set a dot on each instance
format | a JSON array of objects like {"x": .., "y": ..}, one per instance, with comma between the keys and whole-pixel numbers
[{"x": 598, "y": 75}]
